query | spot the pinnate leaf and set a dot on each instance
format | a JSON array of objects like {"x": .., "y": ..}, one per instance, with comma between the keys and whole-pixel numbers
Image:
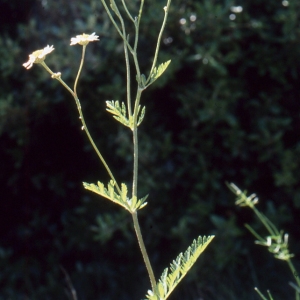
[
  {"x": 118, "y": 111},
  {"x": 178, "y": 269},
  {"x": 158, "y": 71},
  {"x": 110, "y": 193}
]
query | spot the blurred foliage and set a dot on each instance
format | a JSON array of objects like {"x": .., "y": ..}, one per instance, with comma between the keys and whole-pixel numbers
[{"x": 226, "y": 109}]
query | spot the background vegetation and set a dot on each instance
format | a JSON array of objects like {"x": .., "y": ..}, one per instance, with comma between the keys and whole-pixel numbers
[{"x": 227, "y": 109}]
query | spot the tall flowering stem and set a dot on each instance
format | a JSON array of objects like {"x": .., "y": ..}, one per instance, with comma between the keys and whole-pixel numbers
[
  {"x": 142, "y": 83},
  {"x": 38, "y": 57},
  {"x": 133, "y": 121}
]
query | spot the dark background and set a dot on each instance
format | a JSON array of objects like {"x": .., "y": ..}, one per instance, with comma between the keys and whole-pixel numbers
[{"x": 226, "y": 109}]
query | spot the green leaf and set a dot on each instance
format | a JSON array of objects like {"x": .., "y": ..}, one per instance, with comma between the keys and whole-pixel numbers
[
  {"x": 157, "y": 72},
  {"x": 109, "y": 193},
  {"x": 143, "y": 80},
  {"x": 178, "y": 269},
  {"x": 141, "y": 117},
  {"x": 136, "y": 204},
  {"x": 118, "y": 112},
  {"x": 124, "y": 191}
]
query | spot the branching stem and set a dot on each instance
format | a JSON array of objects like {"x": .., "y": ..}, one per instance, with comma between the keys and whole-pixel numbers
[
  {"x": 81, "y": 117},
  {"x": 166, "y": 9}
]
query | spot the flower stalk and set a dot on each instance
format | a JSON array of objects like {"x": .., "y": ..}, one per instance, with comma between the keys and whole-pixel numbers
[{"x": 39, "y": 56}]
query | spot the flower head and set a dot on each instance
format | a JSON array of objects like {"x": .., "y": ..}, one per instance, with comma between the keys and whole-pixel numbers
[
  {"x": 38, "y": 56},
  {"x": 84, "y": 39}
]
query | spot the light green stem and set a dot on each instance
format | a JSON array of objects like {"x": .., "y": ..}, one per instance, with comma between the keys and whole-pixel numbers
[
  {"x": 79, "y": 70},
  {"x": 128, "y": 87},
  {"x": 267, "y": 223},
  {"x": 128, "y": 81},
  {"x": 134, "y": 192},
  {"x": 136, "y": 157},
  {"x": 127, "y": 11},
  {"x": 56, "y": 76},
  {"x": 135, "y": 144},
  {"x": 293, "y": 270},
  {"x": 135, "y": 135},
  {"x": 143, "y": 250},
  {"x": 84, "y": 126},
  {"x": 116, "y": 25},
  {"x": 166, "y": 9},
  {"x": 124, "y": 37},
  {"x": 137, "y": 25},
  {"x": 137, "y": 103}
]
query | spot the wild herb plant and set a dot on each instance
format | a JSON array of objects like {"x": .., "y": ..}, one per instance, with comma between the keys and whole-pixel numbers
[
  {"x": 276, "y": 241},
  {"x": 129, "y": 114}
]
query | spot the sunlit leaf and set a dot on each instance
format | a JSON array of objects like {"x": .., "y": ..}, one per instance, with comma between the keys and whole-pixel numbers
[{"x": 178, "y": 269}]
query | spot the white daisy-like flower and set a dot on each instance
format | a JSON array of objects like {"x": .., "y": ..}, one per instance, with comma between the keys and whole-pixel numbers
[
  {"x": 38, "y": 56},
  {"x": 84, "y": 39}
]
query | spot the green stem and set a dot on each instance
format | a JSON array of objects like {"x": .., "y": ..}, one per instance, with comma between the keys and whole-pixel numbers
[
  {"x": 293, "y": 270},
  {"x": 135, "y": 144},
  {"x": 128, "y": 81},
  {"x": 296, "y": 275},
  {"x": 143, "y": 250},
  {"x": 127, "y": 11},
  {"x": 137, "y": 26},
  {"x": 140, "y": 88},
  {"x": 80, "y": 68},
  {"x": 134, "y": 192},
  {"x": 54, "y": 75},
  {"x": 166, "y": 9},
  {"x": 135, "y": 157},
  {"x": 84, "y": 126},
  {"x": 126, "y": 59},
  {"x": 123, "y": 36},
  {"x": 267, "y": 223},
  {"x": 116, "y": 25},
  {"x": 134, "y": 52}
]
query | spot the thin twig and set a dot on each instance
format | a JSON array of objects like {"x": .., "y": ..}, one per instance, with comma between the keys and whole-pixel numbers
[{"x": 69, "y": 283}]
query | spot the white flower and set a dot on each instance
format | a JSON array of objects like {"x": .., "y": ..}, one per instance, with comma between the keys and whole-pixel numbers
[
  {"x": 38, "y": 56},
  {"x": 84, "y": 39}
]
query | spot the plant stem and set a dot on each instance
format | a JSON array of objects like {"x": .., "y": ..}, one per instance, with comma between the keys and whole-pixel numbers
[
  {"x": 137, "y": 26},
  {"x": 135, "y": 143},
  {"x": 267, "y": 223},
  {"x": 84, "y": 126},
  {"x": 143, "y": 250},
  {"x": 166, "y": 9},
  {"x": 80, "y": 68},
  {"x": 294, "y": 272},
  {"x": 128, "y": 80},
  {"x": 140, "y": 88},
  {"x": 58, "y": 78},
  {"x": 134, "y": 191},
  {"x": 128, "y": 87},
  {"x": 127, "y": 11},
  {"x": 116, "y": 25}
]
